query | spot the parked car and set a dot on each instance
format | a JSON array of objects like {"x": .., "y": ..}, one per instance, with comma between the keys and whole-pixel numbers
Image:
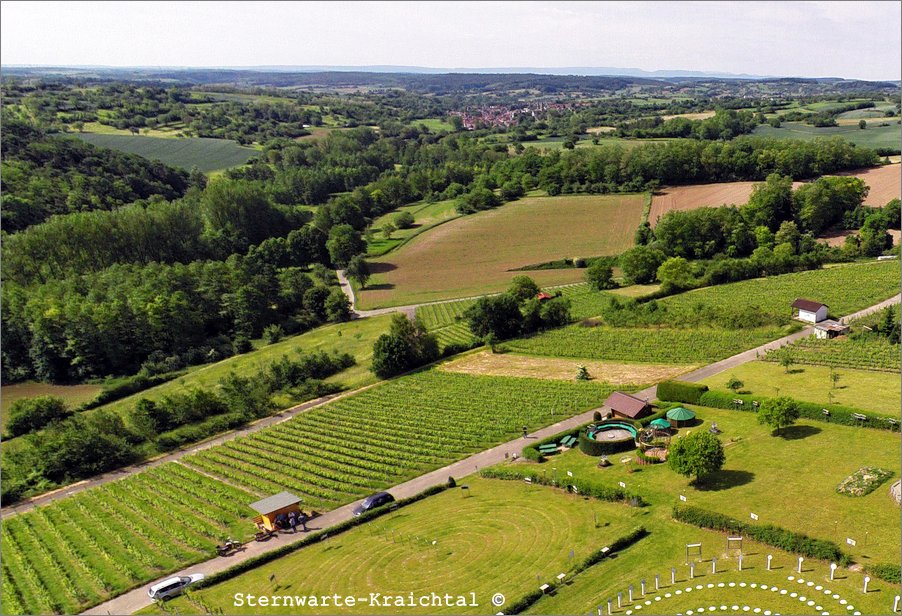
[
  {"x": 371, "y": 502},
  {"x": 173, "y": 586}
]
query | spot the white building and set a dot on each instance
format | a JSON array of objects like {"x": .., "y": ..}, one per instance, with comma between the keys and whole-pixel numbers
[
  {"x": 830, "y": 329},
  {"x": 809, "y": 311}
]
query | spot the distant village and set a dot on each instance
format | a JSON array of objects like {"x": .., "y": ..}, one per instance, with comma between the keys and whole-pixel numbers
[{"x": 488, "y": 116}]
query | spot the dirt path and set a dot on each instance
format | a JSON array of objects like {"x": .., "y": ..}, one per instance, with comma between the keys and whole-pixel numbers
[{"x": 137, "y": 598}]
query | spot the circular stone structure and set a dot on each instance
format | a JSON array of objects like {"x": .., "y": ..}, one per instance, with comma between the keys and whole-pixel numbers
[
  {"x": 611, "y": 434},
  {"x": 606, "y": 437}
]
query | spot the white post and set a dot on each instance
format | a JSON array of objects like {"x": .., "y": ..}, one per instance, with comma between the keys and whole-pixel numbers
[
  {"x": 631, "y": 593},
  {"x": 610, "y": 609},
  {"x": 600, "y": 613},
  {"x": 866, "y": 580},
  {"x": 691, "y": 571},
  {"x": 673, "y": 575},
  {"x": 657, "y": 582},
  {"x": 800, "y": 563},
  {"x": 832, "y": 570},
  {"x": 769, "y": 558},
  {"x": 643, "y": 588},
  {"x": 713, "y": 565},
  {"x": 740, "y": 561},
  {"x": 619, "y": 600},
  {"x": 896, "y": 604}
]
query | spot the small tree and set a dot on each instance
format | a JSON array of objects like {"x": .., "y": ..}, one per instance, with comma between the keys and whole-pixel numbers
[
  {"x": 30, "y": 414},
  {"x": 358, "y": 270},
  {"x": 600, "y": 275},
  {"x": 862, "y": 124},
  {"x": 834, "y": 378},
  {"x": 779, "y": 413},
  {"x": 582, "y": 374},
  {"x": 787, "y": 361},
  {"x": 735, "y": 384},
  {"x": 696, "y": 455},
  {"x": 273, "y": 333},
  {"x": 387, "y": 229},
  {"x": 403, "y": 220}
]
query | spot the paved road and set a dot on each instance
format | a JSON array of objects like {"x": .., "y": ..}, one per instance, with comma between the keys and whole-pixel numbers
[{"x": 137, "y": 598}]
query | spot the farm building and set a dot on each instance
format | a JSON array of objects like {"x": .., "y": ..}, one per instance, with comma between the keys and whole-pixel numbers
[
  {"x": 629, "y": 407},
  {"x": 809, "y": 311},
  {"x": 271, "y": 507},
  {"x": 829, "y": 328},
  {"x": 542, "y": 296}
]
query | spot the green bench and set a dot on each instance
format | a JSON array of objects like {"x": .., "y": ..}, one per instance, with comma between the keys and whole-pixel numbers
[
  {"x": 568, "y": 441},
  {"x": 548, "y": 448}
]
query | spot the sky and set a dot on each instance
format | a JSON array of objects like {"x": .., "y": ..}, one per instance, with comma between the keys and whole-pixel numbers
[{"x": 855, "y": 40}]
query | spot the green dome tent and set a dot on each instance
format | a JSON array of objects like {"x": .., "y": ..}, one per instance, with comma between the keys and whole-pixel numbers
[
  {"x": 661, "y": 423},
  {"x": 680, "y": 415}
]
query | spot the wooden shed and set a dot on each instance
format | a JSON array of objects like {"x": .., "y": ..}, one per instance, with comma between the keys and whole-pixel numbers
[
  {"x": 272, "y": 507},
  {"x": 626, "y": 406}
]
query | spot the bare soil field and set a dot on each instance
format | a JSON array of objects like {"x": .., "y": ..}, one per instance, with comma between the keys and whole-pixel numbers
[
  {"x": 476, "y": 254},
  {"x": 839, "y": 238},
  {"x": 73, "y": 395},
  {"x": 509, "y": 364},
  {"x": 885, "y": 183},
  {"x": 699, "y": 115}
]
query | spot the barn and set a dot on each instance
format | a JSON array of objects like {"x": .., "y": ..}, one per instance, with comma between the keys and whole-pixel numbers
[{"x": 809, "y": 311}]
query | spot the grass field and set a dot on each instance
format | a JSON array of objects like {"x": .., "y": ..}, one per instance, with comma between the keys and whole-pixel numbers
[
  {"x": 79, "y": 551},
  {"x": 786, "y": 480},
  {"x": 354, "y": 337},
  {"x": 474, "y": 254},
  {"x": 425, "y": 215},
  {"x": 201, "y": 152},
  {"x": 871, "y": 137},
  {"x": 433, "y": 124},
  {"x": 863, "y": 389},
  {"x": 497, "y": 540},
  {"x": 557, "y": 143}
]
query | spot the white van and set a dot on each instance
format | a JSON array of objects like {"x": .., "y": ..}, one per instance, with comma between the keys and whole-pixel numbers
[{"x": 173, "y": 586}]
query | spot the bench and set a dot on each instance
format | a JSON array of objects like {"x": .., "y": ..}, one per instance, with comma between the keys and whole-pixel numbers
[
  {"x": 570, "y": 441},
  {"x": 548, "y": 448}
]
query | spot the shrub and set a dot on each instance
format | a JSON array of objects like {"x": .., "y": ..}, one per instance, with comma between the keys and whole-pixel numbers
[
  {"x": 129, "y": 386},
  {"x": 681, "y": 391},
  {"x": 604, "y": 493},
  {"x": 886, "y": 572},
  {"x": 273, "y": 333},
  {"x": 403, "y": 220},
  {"x": 787, "y": 540},
  {"x": 31, "y": 414}
]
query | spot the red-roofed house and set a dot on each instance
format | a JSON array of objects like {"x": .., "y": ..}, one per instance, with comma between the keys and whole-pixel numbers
[
  {"x": 627, "y": 406},
  {"x": 542, "y": 296}
]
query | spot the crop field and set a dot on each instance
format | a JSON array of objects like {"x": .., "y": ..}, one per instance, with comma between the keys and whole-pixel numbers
[
  {"x": 497, "y": 540},
  {"x": 81, "y": 550},
  {"x": 73, "y": 395},
  {"x": 337, "y": 453},
  {"x": 872, "y": 137},
  {"x": 695, "y": 196},
  {"x": 512, "y": 364},
  {"x": 863, "y": 389},
  {"x": 204, "y": 153},
  {"x": 655, "y": 345},
  {"x": 474, "y": 254},
  {"x": 872, "y": 354}
]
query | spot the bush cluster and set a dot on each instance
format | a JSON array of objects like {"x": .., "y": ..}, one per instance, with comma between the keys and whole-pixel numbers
[
  {"x": 790, "y": 541},
  {"x": 586, "y": 489},
  {"x": 681, "y": 391}
]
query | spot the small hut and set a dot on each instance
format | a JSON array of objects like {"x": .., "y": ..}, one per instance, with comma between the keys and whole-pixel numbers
[
  {"x": 625, "y": 406},
  {"x": 660, "y": 423},
  {"x": 680, "y": 416},
  {"x": 272, "y": 507}
]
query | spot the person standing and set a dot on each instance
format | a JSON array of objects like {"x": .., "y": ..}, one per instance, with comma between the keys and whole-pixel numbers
[{"x": 293, "y": 522}]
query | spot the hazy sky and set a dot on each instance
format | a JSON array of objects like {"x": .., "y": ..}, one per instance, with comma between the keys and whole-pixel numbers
[{"x": 811, "y": 39}]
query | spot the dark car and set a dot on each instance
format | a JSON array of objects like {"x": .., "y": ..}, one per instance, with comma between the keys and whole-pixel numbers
[{"x": 371, "y": 502}]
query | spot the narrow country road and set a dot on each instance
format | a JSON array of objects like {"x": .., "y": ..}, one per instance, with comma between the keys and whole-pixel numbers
[{"x": 137, "y": 599}]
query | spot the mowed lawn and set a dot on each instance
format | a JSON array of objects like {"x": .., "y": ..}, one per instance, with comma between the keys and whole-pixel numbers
[
  {"x": 425, "y": 216},
  {"x": 786, "y": 480},
  {"x": 204, "y": 153},
  {"x": 863, "y": 389},
  {"x": 473, "y": 255},
  {"x": 874, "y": 136},
  {"x": 498, "y": 540}
]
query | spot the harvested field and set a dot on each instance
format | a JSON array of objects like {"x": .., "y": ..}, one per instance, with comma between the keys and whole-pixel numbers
[
  {"x": 885, "y": 183},
  {"x": 698, "y": 115},
  {"x": 552, "y": 368},
  {"x": 839, "y": 238},
  {"x": 74, "y": 395},
  {"x": 475, "y": 254}
]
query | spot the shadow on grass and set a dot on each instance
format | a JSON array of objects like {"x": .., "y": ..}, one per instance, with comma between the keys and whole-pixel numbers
[
  {"x": 795, "y": 433},
  {"x": 724, "y": 480}
]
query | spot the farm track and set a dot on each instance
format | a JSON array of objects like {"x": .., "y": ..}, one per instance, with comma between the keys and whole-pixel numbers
[{"x": 137, "y": 599}]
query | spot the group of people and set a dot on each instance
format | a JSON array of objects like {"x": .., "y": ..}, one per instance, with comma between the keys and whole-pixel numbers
[{"x": 292, "y": 520}]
